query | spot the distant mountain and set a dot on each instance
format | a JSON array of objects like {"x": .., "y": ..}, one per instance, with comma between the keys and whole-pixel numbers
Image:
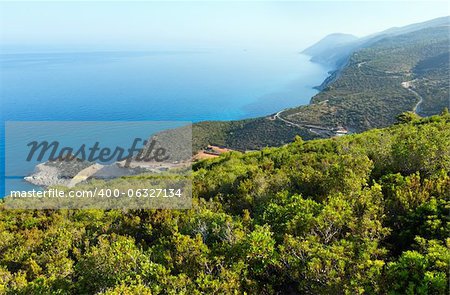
[
  {"x": 334, "y": 49},
  {"x": 437, "y": 22},
  {"x": 330, "y": 41}
]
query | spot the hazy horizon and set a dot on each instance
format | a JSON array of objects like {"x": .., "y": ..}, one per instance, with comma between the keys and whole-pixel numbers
[{"x": 122, "y": 26}]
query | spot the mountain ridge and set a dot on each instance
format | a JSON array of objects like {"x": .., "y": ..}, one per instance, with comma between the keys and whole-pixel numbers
[{"x": 336, "y": 54}]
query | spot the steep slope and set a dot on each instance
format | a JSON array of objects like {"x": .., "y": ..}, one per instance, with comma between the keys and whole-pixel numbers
[{"x": 393, "y": 75}]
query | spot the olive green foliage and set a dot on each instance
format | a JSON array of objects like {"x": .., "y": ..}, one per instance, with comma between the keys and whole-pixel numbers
[
  {"x": 359, "y": 214},
  {"x": 249, "y": 134}
]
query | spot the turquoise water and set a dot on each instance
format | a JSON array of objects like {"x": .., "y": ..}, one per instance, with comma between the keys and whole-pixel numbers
[
  {"x": 188, "y": 86},
  {"x": 153, "y": 86}
]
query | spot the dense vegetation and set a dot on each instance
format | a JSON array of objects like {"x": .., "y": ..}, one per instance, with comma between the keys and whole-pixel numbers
[
  {"x": 365, "y": 213},
  {"x": 432, "y": 83},
  {"x": 250, "y": 134}
]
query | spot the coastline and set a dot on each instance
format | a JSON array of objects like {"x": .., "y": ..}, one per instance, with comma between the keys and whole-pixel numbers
[{"x": 45, "y": 175}]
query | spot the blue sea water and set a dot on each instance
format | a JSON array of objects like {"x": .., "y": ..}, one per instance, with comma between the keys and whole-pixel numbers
[{"x": 152, "y": 86}]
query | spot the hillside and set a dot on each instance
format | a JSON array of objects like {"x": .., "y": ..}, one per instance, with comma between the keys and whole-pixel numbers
[
  {"x": 379, "y": 77},
  {"x": 251, "y": 134},
  {"x": 365, "y": 213},
  {"x": 378, "y": 82}
]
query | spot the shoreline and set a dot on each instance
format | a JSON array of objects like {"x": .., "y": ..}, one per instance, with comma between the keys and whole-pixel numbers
[{"x": 45, "y": 175}]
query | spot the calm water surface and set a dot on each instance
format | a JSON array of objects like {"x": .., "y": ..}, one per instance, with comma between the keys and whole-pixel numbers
[{"x": 146, "y": 86}]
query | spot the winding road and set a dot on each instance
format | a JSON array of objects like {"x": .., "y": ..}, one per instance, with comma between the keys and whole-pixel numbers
[
  {"x": 312, "y": 128},
  {"x": 277, "y": 116},
  {"x": 408, "y": 85}
]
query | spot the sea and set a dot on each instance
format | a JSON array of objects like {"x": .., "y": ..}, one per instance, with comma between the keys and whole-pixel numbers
[{"x": 169, "y": 86}]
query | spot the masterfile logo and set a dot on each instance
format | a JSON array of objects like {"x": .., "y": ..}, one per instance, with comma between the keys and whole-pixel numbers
[{"x": 131, "y": 164}]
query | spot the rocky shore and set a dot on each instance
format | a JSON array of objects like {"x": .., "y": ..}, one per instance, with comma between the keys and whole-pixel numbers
[{"x": 71, "y": 173}]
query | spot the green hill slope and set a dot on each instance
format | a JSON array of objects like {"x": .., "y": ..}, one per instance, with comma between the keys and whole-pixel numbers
[
  {"x": 361, "y": 214},
  {"x": 383, "y": 80}
]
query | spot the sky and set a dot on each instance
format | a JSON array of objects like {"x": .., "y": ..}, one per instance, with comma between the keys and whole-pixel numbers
[{"x": 151, "y": 25}]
